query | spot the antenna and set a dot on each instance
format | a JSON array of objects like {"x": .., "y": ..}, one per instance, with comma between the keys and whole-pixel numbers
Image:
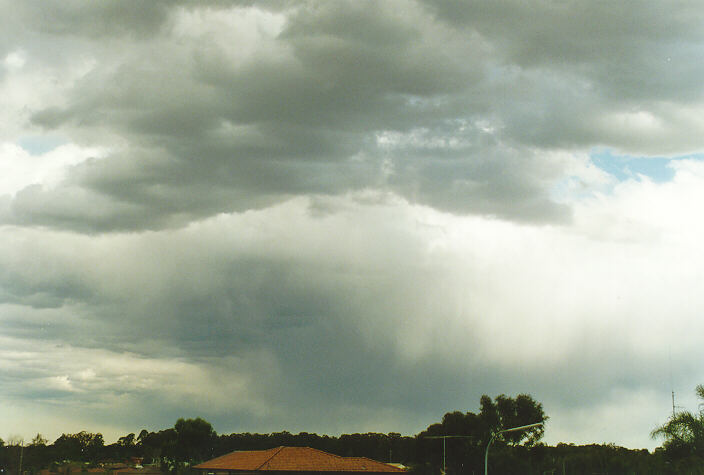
[
  {"x": 674, "y": 407},
  {"x": 672, "y": 384}
]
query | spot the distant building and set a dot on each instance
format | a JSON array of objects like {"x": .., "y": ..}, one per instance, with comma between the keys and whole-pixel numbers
[{"x": 292, "y": 461}]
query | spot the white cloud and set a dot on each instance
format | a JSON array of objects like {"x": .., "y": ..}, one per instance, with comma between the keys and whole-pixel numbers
[
  {"x": 15, "y": 60},
  {"x": 91, "y": 380},
  {"x": 252, "y": 30},
  {"x": 23, "y": 169}
]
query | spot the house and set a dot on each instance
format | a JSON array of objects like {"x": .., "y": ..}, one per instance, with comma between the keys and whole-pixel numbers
[{"x": 292, "y": 461}]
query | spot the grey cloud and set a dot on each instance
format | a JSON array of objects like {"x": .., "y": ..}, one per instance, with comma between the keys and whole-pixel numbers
[
  {"x": 301, "y": 121},
  {"x": 106, "y": 18},
  {"x": 275, "y": 302},
  {"x": 624, "y": 45},
  {"x": 590, "y": 61},
  {"x": 263, "y": 216},
  {"x": 489, "y": 179},
  {"x": 322, "y": 302},
  {"x": 75, "y": 208},
  {"x": 111, "y": 18}
]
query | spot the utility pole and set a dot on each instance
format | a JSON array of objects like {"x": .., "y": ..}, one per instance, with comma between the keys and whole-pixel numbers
[
  {"x": 19, "y": 472},
  {"x": 444, "y": 437}
]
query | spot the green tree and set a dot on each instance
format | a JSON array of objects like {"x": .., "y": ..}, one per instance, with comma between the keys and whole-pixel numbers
[
  {"x": 82, "y": 446},
  {"x": 126, "y": 441},
  {"x": 684, "y": 432},
  {"x": 195, "y": 440},
  {"x": 37, "y": 454},
  {"x": 38, "y": 440},
  {"x": 522, "y": 410},
  {"x": 506, "y": 412},
  {"x": 157, "y": 447},
  {"x": 467, "y": 451}
]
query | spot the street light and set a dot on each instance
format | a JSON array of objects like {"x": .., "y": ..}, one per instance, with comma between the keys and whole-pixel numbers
[{"x": 512, "y": 429}]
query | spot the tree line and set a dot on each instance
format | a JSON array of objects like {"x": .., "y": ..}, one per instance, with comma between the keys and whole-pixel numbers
[{"x": 191, "y": 441}]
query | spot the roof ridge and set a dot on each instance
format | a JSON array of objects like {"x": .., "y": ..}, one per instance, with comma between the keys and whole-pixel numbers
[
  {"x": 363, "y": 457},
  {"x": 280, "y": 448},
  {"x": 377, "y": 461}
]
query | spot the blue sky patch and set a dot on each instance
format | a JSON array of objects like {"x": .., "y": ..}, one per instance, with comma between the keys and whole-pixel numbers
[
  {"x": 40, "y": 144},
  {"x": 624, "y": 167}
]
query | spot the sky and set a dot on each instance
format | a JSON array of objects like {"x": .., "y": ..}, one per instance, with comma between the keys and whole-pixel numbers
[{"x": 349, "y": 216}]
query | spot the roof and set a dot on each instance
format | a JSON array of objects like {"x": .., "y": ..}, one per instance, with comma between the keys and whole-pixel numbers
[{"x": 294, "y": 459}]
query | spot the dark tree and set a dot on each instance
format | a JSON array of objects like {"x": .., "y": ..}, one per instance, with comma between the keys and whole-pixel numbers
[
  {"x": 523, "y": 410},
  {"x": 82, "y": 446},
  {"x": 684, "y": 432},
  {"x": 195, "y": 440}
]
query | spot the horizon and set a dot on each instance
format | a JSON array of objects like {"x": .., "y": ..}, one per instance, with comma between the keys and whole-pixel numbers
[{"x": 113, "y": 438}]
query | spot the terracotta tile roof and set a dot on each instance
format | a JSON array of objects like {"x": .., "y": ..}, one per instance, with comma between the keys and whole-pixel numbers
[{"x": 294, "y": 459}]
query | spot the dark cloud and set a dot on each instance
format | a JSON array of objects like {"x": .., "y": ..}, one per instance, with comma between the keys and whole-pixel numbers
[
  {"x": 298, "y": 107},
  {"x": 349, "y": 312},
  {"x": 302, "y": 117},
  {"x": 627, "y": 48},
  {"x": 342, "y": 215},
  {"x": 107, "y": 18}
]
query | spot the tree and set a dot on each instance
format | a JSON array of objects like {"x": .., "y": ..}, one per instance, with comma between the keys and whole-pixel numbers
[
  {"x": 83, "y": 446},
  {"x": 38, "y": 440},
  {"x": 15, "y": 440},
  {"x": 522, "y": 410},
  {"x": 157, "y": 446},
  {"x": 684, "y": 432},
  {"x": 506, "y": 412},
  {"x": 37, "y": 454},
  {"x": 195, "y": 439},
  {"x": 475, "y": 431},
  {"x": 126, "y": 441},
  {"x": 142, "y": 434}
]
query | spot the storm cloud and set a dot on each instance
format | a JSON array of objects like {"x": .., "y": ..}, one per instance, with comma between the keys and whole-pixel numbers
[{"x": 348, "y": 216}]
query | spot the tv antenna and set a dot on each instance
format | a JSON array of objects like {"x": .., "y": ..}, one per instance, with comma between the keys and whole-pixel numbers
[{"x": 672, "y": 385}]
